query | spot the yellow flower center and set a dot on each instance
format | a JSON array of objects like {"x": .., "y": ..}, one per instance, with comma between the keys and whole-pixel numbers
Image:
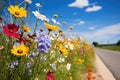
[
  {"x": 10, "y": 30},
  {"x": 17, "y": 13},
  {"x": 20, "y": 51}
]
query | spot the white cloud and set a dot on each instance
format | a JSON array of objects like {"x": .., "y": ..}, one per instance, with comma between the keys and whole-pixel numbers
[
  {"x": 79, "y": 3},
  {"x": 91, "y": 28},
  {"x": 93, "y": 8},
  {"x": 106, "y": 33},
  {"x": 81, "y": 22}
]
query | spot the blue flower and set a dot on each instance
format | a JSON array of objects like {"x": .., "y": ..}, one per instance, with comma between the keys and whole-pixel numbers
[
  {"x": 53, "y": 66},
  {"x": 29, "y": 64},
  {"x": 13, "y": 64},
  {"x": 29, "y": 71},
  {"x": 33, "y": 55},
  {"x": 43, "y": 41}
]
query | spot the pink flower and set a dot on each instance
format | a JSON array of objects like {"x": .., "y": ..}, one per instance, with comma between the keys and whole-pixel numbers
[
  {"x": 11, "y": 30},
  {"x": 50, "y": 76},
  {"x": 81, "y": 51}
]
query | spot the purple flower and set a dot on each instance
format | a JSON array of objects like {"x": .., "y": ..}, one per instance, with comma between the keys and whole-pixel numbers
[
  {"x": 43, "y": 42},
  {"x": 29, "y": 71},
  {"x": 33, "y": 55},
  {"x": 29, "y": 64},
  {"x": 53, "y": 66},
  {"x": 13, "y": 64}
]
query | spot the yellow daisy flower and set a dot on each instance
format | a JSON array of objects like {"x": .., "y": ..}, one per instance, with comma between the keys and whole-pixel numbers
[
  {"x": 20, "y": 50},
  {"x": 55, "y": 15},
  {"x": 64, "y": 23},
  {"x": 51, "y": 27},
  {"x": 79, "y": 61},
  {"x": 17, "y": 12},
  {"x": 26, "y": 29},
  {"x": 71, "y": 27},
  {"x": 63, "y": 50}
]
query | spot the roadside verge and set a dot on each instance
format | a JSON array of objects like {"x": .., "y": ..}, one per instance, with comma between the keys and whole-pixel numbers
[{"x": 102, "y": 69}]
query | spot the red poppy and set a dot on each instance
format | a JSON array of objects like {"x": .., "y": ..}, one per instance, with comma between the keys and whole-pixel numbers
[
  {"x": 11, "y": 30},
  {"x": 50, "y": 76},
  {"x": 23, "y": 39},
  {"x": 31, "y": 36}
]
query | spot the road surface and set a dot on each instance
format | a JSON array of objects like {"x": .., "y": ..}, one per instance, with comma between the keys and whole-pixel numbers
[{"x": 111, "y": 59}]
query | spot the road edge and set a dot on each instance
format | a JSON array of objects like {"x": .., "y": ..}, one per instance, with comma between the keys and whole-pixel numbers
[{"x": 102, "y": 69}]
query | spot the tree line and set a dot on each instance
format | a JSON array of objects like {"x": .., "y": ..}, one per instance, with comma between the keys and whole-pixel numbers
[{"x": 96, "y": 44}]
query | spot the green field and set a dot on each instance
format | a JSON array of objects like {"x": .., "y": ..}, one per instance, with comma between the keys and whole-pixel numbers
[{"x": 116, "y": 48}]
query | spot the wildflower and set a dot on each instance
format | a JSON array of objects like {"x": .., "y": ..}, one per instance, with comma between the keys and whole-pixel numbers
[
  {"x": 53, "y": 66},
  {"x": 11, "y": 30},
  {"x": 16, "y": 44},
  {"x": 51, "y": 27},
  {"x": 38, "y": 5},
  {"x": 29, "y": 64},
  {"x": 50, "y": 76},
  {"x": 55, "y": 15},
  {"x": 23, "y": 39},
  {"x": 40, "y": 16},
  {"x": 43, "y": 42},
  {"x": 71, "y": 78},
  {"x": 63, "y": 50},
  {"x": 29, "y": 71},
  {"x": 70, "y": 27},
  {"x": 64, "y": 23},
  {"x": 55, "y": 22},
  {"x": 68, "y": 66},
  {"x": 17, "y": 12},
  {"x": 68, "y": 30},
  {"x": 79, "y": 61},
  {"x": 81, "y": 51},
  {"x": 46, "y": 20},
  {"x": 1, "y": 47},
  {"x": 26, "y": 29},
  {"x": 61, "y": 60},
  {"x": 69, "y": 45},
  {"x": 20, "y": 50},
  {"x": 33, "y": 55},
  {"x": 28, "y": 1},
  {"x": 90, "y": 76},
  {"x": 36, "y": 78},
  {"x": 58, "y": 23},
  {"x": 31, "y": 36},
  {"x": 13, "y": 64}
]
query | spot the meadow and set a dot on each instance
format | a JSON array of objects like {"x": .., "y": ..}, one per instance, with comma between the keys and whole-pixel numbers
[{"x": 38, "y": 54}]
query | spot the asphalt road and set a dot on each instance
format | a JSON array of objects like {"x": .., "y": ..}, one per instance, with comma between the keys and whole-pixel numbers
[{"x": 111, "y": 59}]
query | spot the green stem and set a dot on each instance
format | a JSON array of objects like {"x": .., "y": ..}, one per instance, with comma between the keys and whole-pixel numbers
[
  {"x": 25, "y": 4},
  {"x": 36, "y": 26}
]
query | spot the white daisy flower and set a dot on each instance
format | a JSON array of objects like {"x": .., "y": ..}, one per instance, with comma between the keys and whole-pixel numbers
[
  {"x": 40, "y": 16},
  {"x": 38, "y": 5},
  {"x": 28, "y": 1},
  {"x": 68, "y": 66}
]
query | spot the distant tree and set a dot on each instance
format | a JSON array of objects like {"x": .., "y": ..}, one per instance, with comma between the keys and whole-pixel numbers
[
  {"x": 96, "y": 44},
  {"x": 118, "y": 43}
]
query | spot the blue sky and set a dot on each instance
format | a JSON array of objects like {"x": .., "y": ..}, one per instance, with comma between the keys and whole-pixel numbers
[{"x": 94, "y": 20}]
